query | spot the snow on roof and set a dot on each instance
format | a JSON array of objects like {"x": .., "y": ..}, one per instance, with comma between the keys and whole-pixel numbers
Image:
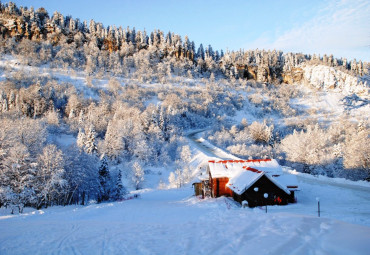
[
  {"x": 270, "y": 166},
  {"x": 277, "y": 183},
  {"x": 288, "y": 180},
  {"x": 228, "y": 168},
  {"x": 218, "y": 170},
  {"x": 243, "y": 180},
  {"x": 200, "y": 178}
]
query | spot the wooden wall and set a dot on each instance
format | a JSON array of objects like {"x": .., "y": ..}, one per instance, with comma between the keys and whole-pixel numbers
[{"x": 219, "y": 187}]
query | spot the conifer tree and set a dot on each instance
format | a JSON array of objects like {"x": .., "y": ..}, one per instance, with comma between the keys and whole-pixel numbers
[
  {"x": 119, "y": 190},
  {"x": 90, "y": 141},
  {"x": 104, "y": 179}
]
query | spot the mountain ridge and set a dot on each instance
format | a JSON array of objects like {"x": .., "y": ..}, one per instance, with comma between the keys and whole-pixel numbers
[{"x": 93, "y": 43}]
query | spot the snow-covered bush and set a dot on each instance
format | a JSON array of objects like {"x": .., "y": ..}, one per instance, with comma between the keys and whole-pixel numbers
[
  {"x": 312, "y": 147},
  {"x": 261, "y": 132},
  {"x": 356, "y": 151}
]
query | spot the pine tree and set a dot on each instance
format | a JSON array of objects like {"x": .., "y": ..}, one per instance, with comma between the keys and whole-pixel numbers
[
  {"x": 200, "y": 53},
  {"x": 119, "y": 190},
  {"x": 90, "y": 143},
  {"x": 104, "y": 180}
]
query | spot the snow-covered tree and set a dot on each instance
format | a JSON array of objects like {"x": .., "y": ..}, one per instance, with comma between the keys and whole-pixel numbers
[
  {"x": 172, "y": 179},
  {"x": 185, "y": 154},
  {"x": 81, "y": 139},
  {"x": 82, "y": 175},
  {"x": 51, "y": 184},
  {"x": 113, "y": 141},
  {"x": 90, "y": 141},
  {"x": 357, "y": 149},
  {"x": 18, "y": 174},
  {"x": 260, "y": 132},
  {"x": 137, "y": 175},
  {"x": 119, "y": 190}
]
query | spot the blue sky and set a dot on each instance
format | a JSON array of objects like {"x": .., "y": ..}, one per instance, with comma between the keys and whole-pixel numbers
[{"x": 338, "y": 27}]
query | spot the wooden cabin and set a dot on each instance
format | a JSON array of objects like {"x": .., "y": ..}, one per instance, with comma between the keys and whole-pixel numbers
[{"x": 251, "y": 181}]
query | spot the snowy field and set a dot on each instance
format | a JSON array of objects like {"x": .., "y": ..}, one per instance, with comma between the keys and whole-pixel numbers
[{"x": 173, "y": 221}]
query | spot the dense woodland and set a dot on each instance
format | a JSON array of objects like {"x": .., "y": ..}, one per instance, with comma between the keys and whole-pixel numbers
[
  {"x": 66, "y": 42},
  {"x": 122, "y": 130}
]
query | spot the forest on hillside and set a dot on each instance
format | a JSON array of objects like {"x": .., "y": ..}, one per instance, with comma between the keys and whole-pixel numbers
[{"x": 156, "y": 87}]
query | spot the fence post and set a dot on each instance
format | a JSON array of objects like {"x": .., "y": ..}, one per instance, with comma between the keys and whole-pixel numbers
[
  {"x": 266, "y": 196},
  {"x": 318, "y": 206}
]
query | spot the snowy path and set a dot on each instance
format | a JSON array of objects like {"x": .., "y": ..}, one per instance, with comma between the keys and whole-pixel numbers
[{"x": 207, "y": 148}]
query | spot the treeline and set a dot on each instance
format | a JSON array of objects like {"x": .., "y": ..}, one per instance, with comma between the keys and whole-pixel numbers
[{"x": 69, "y": 42}]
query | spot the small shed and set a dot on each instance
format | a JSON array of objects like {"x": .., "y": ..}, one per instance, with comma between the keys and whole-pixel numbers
[
  {"x": 198, "y": 188},
  {"x": 200, "y": 184}
]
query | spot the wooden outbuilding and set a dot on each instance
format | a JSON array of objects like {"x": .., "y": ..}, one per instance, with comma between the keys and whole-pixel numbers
[
  {"x": 198, "y": 188},
  {"x": 201, "y": 186}
]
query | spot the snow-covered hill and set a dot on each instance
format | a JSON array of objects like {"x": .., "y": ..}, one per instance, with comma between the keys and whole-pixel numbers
[{"x": 326, "y": 77}]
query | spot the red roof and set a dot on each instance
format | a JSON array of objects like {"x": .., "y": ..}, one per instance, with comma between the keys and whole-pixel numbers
[{"x": 252, "y": 169}]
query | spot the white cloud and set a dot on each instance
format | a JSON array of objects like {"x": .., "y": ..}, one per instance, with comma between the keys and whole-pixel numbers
[{"x": 342, "y": 29}]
